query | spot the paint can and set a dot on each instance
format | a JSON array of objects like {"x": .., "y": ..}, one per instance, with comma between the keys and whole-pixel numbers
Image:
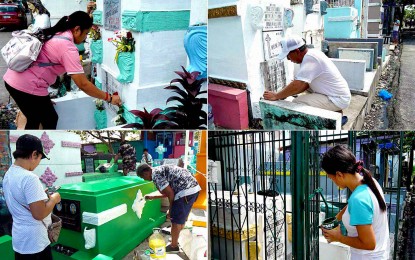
[{"x": 330, "y": 223}]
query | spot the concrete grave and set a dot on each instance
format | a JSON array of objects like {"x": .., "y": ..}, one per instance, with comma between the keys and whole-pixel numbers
[
  {"x": 353, "y": 71},
  {"x": 340, "y": 22},
  {"x": 379, "y": 41},
  {"x": 285, "y": 115},
  {"x": 243, "y": 35},
  {"x": 334, "y": 46},
  {"x": 229, "y": 106},
  {"x": 75, "y": 111},
  {"x": 358, "y": 54}
]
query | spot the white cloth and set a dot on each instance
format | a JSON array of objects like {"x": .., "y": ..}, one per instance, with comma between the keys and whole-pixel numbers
[
  {"x": 21, "y": 188},
  {"x": 396, "y": 25},
  {"x": 42, "y": 21},
  {"x": 324, "y": 78},
  {"x": 380, "y": 228}
]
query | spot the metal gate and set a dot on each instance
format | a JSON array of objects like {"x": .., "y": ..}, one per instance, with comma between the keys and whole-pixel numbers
[
  {"x": 266, "y": 200},
  {"x": 248, "y": 212}
]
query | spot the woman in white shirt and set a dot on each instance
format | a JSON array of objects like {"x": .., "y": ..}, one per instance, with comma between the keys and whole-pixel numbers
[
  {"x": 365, "y": 215},
  {"x": 27, "y": 201}
]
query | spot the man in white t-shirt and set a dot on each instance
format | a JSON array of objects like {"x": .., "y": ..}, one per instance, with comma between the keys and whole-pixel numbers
[
  {"x": 317, "y": 75},
  {"x": 28, "y": 202}
]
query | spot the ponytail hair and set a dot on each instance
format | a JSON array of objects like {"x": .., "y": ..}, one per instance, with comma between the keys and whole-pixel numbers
[
  {"x": 78, "y": 18},
  {"x": 368, "y": 180},
  {"x": 340, "y": 158}
]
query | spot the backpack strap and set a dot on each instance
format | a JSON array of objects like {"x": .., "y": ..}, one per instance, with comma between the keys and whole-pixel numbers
[{"x": 47, "y": 64}]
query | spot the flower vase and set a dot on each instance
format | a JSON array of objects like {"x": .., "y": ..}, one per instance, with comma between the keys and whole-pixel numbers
[
  {"x": 100, "y": 117},
  {"x": 126, "y": 65},
  {"x": 97, "y": 51}
]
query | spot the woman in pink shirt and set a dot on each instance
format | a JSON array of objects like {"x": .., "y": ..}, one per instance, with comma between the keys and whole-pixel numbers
[{"x": 29, "y": 88}]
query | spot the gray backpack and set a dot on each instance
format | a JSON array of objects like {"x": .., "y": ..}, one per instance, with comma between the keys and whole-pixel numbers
[{"x": 23, "y": 49}]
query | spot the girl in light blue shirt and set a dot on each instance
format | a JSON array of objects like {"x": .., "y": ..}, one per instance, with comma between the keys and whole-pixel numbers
[{"x": 365, "y": 215}]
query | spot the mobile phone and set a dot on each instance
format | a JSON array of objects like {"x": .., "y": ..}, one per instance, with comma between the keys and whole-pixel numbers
[{"x": 53, "y": 189}]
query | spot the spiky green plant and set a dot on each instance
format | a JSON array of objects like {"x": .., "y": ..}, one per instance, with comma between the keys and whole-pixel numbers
[
  {"x": 153, "y": 120},
  {"x": 188, "y": 112}
]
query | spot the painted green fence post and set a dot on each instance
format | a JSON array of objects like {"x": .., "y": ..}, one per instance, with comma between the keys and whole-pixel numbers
[{"x": 299, "y": 159}]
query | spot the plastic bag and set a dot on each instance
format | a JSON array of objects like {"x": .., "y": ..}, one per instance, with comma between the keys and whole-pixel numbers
[
  {"x": 42, "y": 21},
  {"x": 90, "y": 238},
  {"x": 211, "y": 124},
  {"x": 385, "y": 95}
]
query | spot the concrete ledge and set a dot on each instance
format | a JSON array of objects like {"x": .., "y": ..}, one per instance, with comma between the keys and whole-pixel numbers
[
  {"x": 386, "y": 62},
  {"x": 328, "y": 250},
  {"x": 285, "y": 115},
  {"x": 360, "y": 105},
  {"x": 355, "y": 113},
  {"x": 229, "y": 106}
]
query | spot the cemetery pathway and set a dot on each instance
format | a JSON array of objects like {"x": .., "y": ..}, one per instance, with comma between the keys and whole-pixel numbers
[{"x": 404, "y": 107}]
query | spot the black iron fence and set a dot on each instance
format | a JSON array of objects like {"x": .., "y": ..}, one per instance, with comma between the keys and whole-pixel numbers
[
  {"x": 265, "y": 199},
  {"x": 248, "y": 208}
]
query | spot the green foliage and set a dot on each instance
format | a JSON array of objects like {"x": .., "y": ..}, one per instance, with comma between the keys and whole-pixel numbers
[
  {"x": 151, "y": 120},
  {"x": 95, "y": 33},
  {"x": 409, "y": 13},
  {"x": 188, "y": 113}
]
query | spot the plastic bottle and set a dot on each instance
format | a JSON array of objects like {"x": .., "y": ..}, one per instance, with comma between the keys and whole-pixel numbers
[
  {"x": 211, "y": 124},
  {"x": 157, "y": 245}
]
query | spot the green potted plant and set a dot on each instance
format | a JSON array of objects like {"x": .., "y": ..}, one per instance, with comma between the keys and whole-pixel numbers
[{"x": 124, "y": 57}]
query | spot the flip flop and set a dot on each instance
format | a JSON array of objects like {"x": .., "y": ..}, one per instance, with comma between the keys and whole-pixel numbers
[{"x": 344, "y": 120}]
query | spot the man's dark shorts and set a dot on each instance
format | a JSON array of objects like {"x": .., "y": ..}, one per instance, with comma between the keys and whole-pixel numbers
[{"x": 181, "y": 208}]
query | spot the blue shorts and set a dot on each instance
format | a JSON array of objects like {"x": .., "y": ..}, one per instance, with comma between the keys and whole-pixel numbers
[
  {"x": 395, "y": 35},
  {"x": 181, "y": 208}
]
